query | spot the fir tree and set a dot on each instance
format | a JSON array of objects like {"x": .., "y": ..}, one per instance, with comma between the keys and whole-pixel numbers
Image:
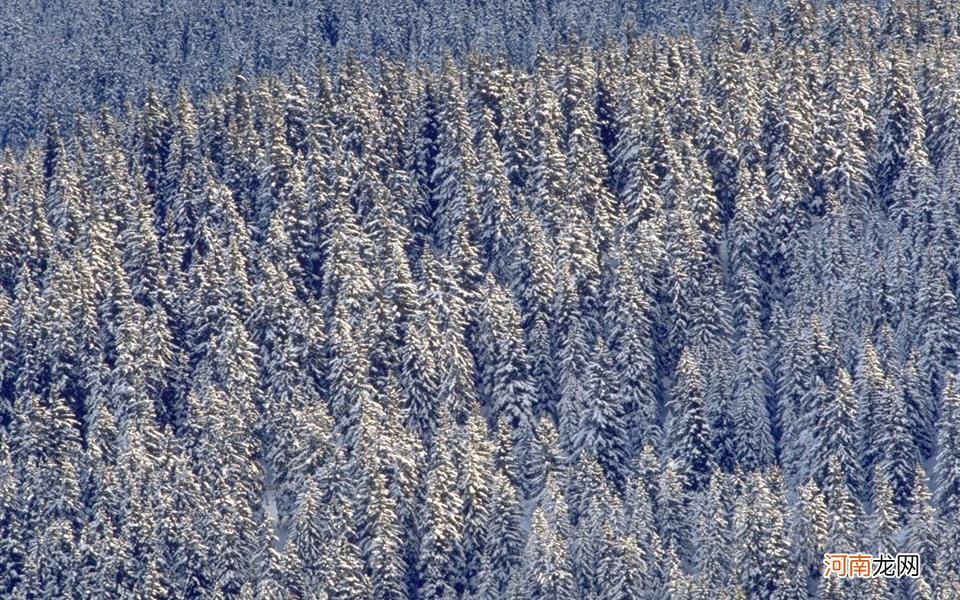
[{"x": 690, "y": 431}]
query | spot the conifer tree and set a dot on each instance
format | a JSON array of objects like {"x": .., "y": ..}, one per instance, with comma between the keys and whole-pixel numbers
[
  {"x": 921, "y": 527},
  {"x": 690, "y": 431},
  {"x": 810, "y": 529},
  {"x": 440, "y": 526},
  {"x": 546, "y": 574},
  {"x": 948, "y": 459},
  {"x": 834, "y": 437},
  {"x": 601, "y": 431}
]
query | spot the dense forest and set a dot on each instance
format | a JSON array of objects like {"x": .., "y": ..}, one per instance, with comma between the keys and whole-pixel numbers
[
  {"x": 656, "y": 316},
  {"x": 64, "y": 56}
]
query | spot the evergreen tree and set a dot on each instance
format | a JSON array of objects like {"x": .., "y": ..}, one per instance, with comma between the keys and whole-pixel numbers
[
  {"x": 760, "y": 532},
  {"x": 921, "y": 528},
  {"x": 601, "y": 431},
  {"x": 546, "y": 573},
  {"x": 503, "y": 547},
  {"x": 948, "y": 458},
  {"x": 751, "y": 414},
  {"x": 690, "y": 430},
  {"x": 440, "y": 526},
  {"x": 834, "y": 438},
  {"x": 810, "y": 530}
]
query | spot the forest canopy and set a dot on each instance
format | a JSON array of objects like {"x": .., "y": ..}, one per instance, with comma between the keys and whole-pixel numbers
[{"x": 665, "y": 313}]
